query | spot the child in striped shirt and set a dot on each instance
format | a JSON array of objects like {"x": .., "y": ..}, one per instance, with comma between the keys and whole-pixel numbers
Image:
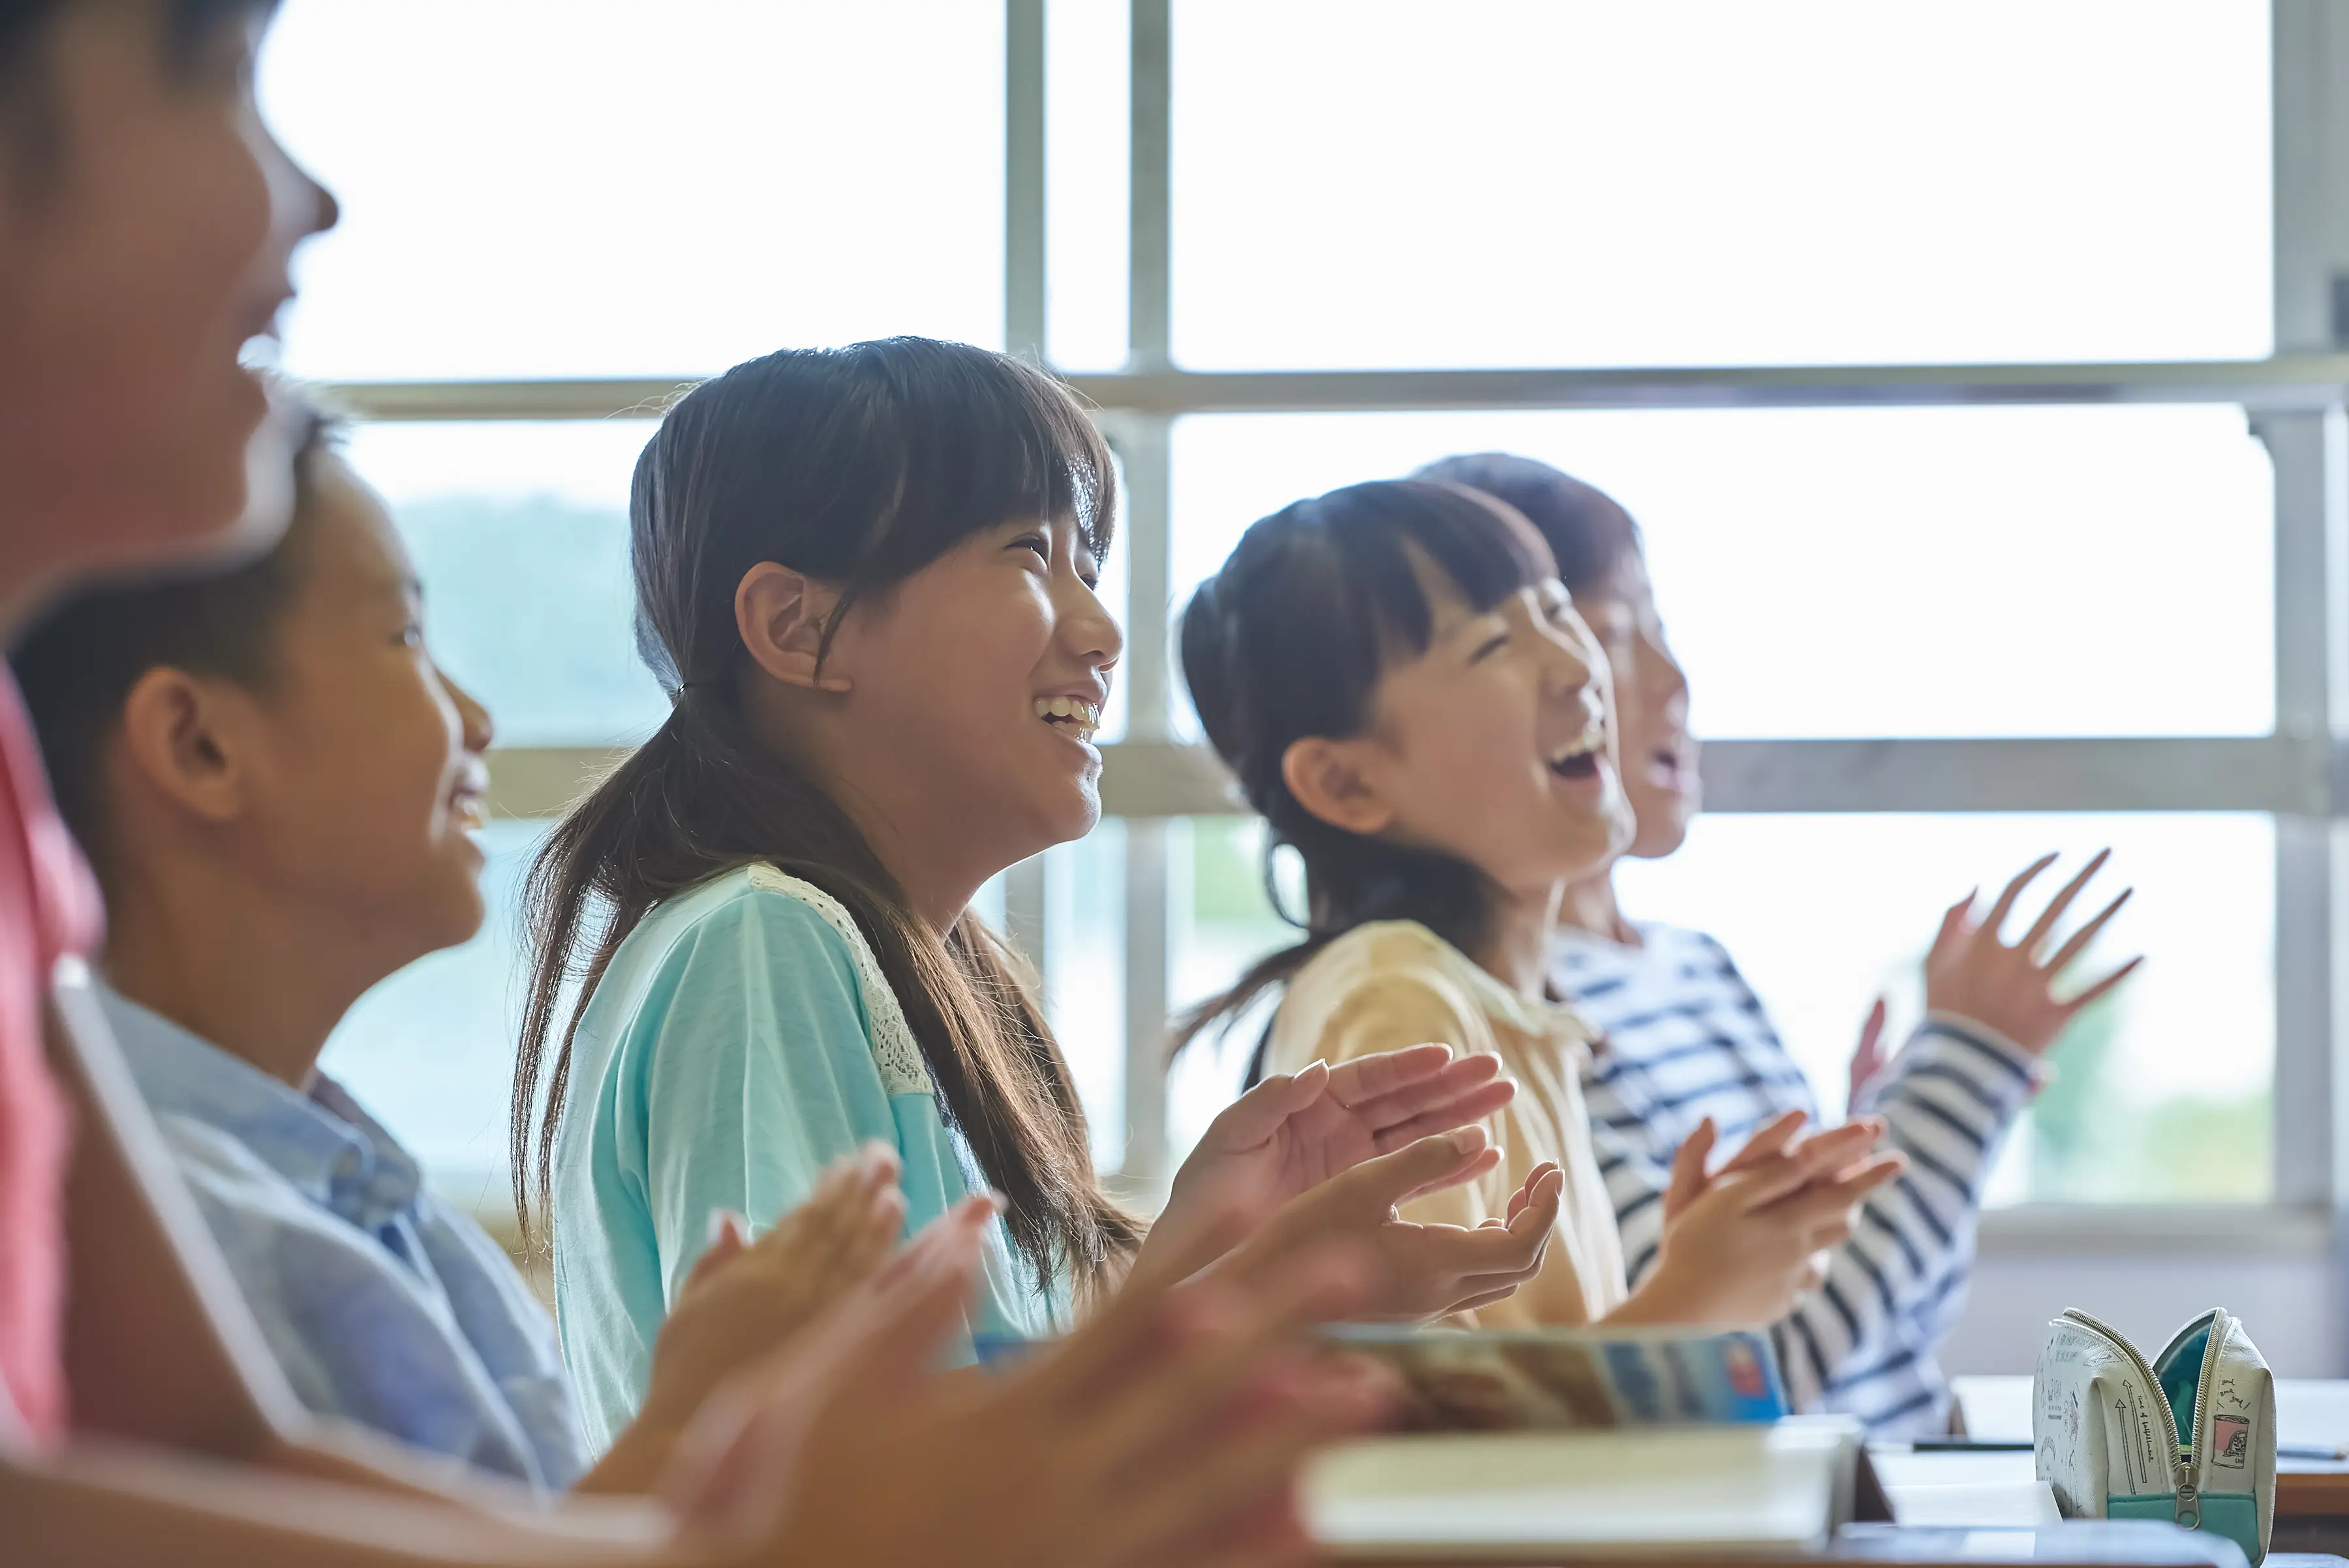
[{"x": 1686, "y": 1042}]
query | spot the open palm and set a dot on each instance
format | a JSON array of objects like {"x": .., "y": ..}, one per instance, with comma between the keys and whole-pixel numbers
[
  {"x": 1293, "y": 1132},
  {"x": 2010, "y": 987}
]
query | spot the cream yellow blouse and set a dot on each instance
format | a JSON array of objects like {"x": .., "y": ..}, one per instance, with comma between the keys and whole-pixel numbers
[{"x": 1395, "y": 984}]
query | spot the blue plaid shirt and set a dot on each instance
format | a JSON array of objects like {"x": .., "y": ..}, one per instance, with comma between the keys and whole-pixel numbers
[{"x": 385, "y": 1306}]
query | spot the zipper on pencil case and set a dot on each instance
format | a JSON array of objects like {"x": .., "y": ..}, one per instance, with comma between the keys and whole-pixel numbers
[{"x": 2181, "y": 1457}]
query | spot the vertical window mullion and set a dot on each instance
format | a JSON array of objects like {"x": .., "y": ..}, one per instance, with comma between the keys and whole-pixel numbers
[
  {"x": 2304, "y": 914},
  {"x": 1025, "y": 911},
  {"x": 2310, "y": 72},
  {"x": 1023, "y": 179},
  {"x": 1148, "y": 677}
]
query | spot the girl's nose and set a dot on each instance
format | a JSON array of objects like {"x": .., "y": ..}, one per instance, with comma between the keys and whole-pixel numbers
[
  {"x": 1572, "y": 658},
  {"x": 473, "y": 718},
  {"x": 1668, "y": 674},
  {"x": 1088, "y": 628}
]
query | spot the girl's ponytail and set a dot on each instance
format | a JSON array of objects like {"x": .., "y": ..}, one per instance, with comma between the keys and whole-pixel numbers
[{"x": 572, "y": 884}]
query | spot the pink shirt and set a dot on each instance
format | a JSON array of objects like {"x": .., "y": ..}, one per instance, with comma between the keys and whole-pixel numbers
[{"x": 48, "y": 908}]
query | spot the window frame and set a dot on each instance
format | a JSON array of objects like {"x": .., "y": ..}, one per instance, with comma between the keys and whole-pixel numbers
[{"x": 2296, "y": 401}]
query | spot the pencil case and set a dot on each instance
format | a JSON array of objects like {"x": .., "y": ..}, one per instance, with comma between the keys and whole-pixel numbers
[{"x": 2189, "y": 1436}]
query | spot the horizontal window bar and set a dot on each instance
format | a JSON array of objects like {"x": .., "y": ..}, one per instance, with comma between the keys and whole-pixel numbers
[
  {"x": 2267, "y": 773},
  {"x": 2074, "y": 1230},
  {"x": 2273, "y": 774},
  {"x": 2293, "y": 381}
]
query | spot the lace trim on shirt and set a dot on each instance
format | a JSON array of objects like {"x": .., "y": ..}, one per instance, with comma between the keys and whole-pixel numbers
[{"x": 894, "y": 1050}]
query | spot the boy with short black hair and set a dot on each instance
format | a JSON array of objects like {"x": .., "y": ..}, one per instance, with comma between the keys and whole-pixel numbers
[{"x": 278, "y": 788}]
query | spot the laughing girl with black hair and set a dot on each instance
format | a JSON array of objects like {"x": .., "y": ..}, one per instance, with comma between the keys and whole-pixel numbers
[{"x": 1401, "y": 682}]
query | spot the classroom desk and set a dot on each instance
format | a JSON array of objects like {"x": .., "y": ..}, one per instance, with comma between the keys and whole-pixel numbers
[
  {"x": 2312, "y": 1505},
  {"x": 2312, "y": 1495},
  {"x": 2001, "y": 1530},
  {"x": 1886, "y": 1546},
  {"x": 2000, "y": 1533}
]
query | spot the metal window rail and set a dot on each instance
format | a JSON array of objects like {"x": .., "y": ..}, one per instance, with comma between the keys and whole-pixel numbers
[
  {"x": 2289, "y": 776},
  {"x": 2286, "y": 383}
]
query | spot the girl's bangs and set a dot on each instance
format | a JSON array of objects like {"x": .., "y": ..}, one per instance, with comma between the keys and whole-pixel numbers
[
  {"x": 984, "y": 438},
  {"x": 1380, "y": 533}
]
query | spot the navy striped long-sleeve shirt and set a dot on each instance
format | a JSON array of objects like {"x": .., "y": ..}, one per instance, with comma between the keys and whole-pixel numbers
[{"x": 1684, "y": 1037}]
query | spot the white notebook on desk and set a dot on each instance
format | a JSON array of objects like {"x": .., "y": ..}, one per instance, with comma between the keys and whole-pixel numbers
[{"x": 1616, "y": 1492}]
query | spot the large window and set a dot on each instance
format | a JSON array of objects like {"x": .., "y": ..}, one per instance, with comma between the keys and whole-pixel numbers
[
  {"x": 551, "y": 188},
  {"x": 520, "y": 534},
  {"x": 1371, "y": 183},
  {"x": 1872, "y": 572},
  {"x": 1933, "y": 346}
]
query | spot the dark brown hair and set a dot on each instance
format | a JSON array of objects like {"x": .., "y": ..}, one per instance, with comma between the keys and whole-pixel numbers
[
  {"x": 78, "y": 665},
  {"x": 858, "y": 466},
  {"x": 1288, "y": 640},
  {"x": 188, "y": 25},
  {"x": 1586, "y": 528},
  {"x": 32, "y": 145}
]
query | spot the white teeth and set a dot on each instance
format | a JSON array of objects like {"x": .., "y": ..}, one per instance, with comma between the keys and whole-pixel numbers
[
  {"x": 1587, "y": 741},
  {"x": 1082, "y": 716},
  {"x": 472, "y": 813}
]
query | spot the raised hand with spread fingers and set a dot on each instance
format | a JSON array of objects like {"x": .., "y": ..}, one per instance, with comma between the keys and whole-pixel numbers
[{"x": 2010, "y": 987}]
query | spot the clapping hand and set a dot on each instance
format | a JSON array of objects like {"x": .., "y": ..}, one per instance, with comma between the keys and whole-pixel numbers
[
  {"x": 1741, "y": 1243},
  {"x": 1297, "y": 1130},
  {"x": 744, "y": 1299},
  {"x": 1166, "y": 1428},
  {"x": 1423, "y": 1271}
]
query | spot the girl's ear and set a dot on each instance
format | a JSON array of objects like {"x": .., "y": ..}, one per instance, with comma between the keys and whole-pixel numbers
[
  {"x": 781, "y": 615},
  {"x": 1329, "y": 780},
  {"x": 181, "y": 744}
]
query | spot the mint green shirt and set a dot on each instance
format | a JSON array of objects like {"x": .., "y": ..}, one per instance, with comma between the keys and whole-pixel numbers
[{"x": 743, "y": 1039}]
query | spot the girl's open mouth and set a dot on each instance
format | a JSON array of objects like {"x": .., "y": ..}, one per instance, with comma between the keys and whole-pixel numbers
[
  {"x": 1075, "y": 717},
  {"x": 469, "y": 813},
  {"x": 1669, "y": 769},
  {"x": 1579, "y": 758},
  {"x": 468, "y": 798}
]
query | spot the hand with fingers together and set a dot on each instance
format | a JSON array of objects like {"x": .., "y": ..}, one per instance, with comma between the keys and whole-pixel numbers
[
  {"x": 1167, "y": 1429},
  {"x": 1740, "y": 1244},
  {"x": 1421, "y": 1272},
  {"x": 1295, "y": 1130},
  {"x": 1869, "y": 1060},
  {"x": 2010, "y": 988},
  {"x": 745, "y": 1298}
]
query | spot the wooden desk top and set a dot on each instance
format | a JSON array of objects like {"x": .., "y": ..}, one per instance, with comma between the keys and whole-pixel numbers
[
  {"x": 2307, "y": 1410},
  {"x": 2312, "y": 1492}
]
